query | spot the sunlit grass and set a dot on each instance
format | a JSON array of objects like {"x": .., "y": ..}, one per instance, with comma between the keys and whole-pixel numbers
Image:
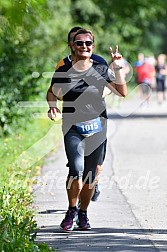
[
  {"x": 29, "y": 143},
  {"x": 22, "y": 155}
]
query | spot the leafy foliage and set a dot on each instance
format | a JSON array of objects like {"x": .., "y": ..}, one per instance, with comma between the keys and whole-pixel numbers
[
  {"x": 14, "y": 224},
  {"x": 126, "y": 23},
  {"x": 33, "y": 37},
  {"x": 17, "y": 223},
  {"x": 16, "y": 63}
]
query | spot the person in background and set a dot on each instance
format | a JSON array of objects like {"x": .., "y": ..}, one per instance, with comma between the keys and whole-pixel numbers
[
  {"x": 68, "y": 60},
  {"x": 140, "y": 60},
  {"x": 145, "y": 76},
  {"x": 83, "y": 104},
  {"x": 161, "y": 72}
]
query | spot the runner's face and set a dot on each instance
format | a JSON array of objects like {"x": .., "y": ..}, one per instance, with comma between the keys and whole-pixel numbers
[{"x": 83, "y": 46}]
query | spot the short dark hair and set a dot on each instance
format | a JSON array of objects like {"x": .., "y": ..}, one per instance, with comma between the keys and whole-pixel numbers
[
  {"x": 74, "y": 29},
  {"x": 83, "y": 31}
]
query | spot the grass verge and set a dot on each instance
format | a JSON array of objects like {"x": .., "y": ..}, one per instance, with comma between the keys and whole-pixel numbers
[{"x": 22, "y": 155}]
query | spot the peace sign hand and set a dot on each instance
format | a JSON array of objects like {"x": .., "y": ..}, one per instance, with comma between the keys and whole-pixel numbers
[{"x": 116, "y": 57}]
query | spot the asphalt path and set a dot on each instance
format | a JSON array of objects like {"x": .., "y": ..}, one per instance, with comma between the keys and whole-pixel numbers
[{"x": 131, "y": 213}]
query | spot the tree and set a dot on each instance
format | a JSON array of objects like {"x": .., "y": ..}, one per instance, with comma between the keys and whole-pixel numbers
[
  {"x": 30, "y": 31},
  {"x": 127, "y": 23}
]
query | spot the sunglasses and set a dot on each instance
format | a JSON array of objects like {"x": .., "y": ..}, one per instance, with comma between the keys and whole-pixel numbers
[{"x": 80, "y": 42}]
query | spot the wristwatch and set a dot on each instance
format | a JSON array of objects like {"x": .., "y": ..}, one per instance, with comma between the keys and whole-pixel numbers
[{"x": 118, "y": 68}]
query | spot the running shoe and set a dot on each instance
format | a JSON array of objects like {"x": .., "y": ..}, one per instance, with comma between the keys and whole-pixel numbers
[
  {"x": 68, "y": 222},
  {"x": 96, "y": 193},
  {"x": 83, "y": 221}
]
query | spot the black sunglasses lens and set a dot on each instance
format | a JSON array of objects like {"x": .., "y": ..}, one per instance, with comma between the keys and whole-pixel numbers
[
  {"x": 87, "y": 43},
  {"x": 79, "y": 43}
]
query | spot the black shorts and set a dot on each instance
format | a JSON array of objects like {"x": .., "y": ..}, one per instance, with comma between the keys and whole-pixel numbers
[
  {"x": 103, "y": 154},
  {"x": 160, "y": 85},
  {"x": 84, "y": 154}
]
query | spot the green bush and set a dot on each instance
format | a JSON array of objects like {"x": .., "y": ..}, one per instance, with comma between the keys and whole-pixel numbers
[
  {"x": 17, "y": 83},
  {"x": 17, "y": 223}
]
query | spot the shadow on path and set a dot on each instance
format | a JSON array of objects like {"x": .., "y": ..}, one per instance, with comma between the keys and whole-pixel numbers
[{"x": 103, "y": 239}]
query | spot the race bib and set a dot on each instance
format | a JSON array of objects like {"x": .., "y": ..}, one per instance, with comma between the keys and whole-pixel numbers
[{"x": 90, "y": 127}]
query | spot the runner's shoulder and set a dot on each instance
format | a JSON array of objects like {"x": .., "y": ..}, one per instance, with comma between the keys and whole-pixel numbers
[
  {"x": 98, "y": 58},
  {"x": 63, "y": 62}
]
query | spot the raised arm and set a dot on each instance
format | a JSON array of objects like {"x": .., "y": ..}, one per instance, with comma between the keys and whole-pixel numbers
[{"x": 118, "y": 85}]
